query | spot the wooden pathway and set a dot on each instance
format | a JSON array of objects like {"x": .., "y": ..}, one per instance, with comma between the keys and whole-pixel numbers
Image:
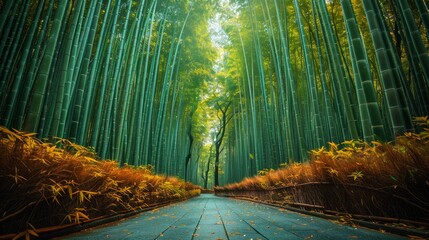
[{"x": 211, "y": 217}]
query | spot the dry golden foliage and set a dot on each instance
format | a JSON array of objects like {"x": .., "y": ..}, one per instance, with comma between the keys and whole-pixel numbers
[
  {"x": 399, "y": 170},
  {"x": 379, "y": 165},
  {"x": 49, "y": 184}
]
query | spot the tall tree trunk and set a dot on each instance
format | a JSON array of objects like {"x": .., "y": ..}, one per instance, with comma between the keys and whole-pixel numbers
[
  {"x": 224, "y": 118},
  {"x": 189, "y": 155}
]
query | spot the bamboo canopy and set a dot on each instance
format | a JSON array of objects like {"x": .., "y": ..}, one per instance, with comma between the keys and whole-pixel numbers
[{"x": 263, "y": 81}]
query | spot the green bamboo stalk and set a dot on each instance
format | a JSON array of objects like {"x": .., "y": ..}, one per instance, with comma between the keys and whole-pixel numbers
[
  {"x": 424, "y": 13},
  {"x": 249, "y": 82},
  {"x": 94, "y": 72},
  {"x": 388, "y": 75},
  {"x": 340, "y": 78},
  {"x": 54, "y": 130},
  {"x": 293, "y": 114},
  {"x": 415, "y": 36},
  {"x": 278, "y": 101},
  {"x": 70, "y": 80},
  {"x": 418, "y": 79},
  {"x": 329, "y": 114},
  {"x": 103, "y": 54},
  {"x": 106, "y": 92},
  {"x": 31, "y": 73},
  {"x": 32, "y": 119},
  {"x": 150, "y": 100},
  {"x": 4, "y": 13},
  {"x": 315, "y": 120},
  {"x": 83, "y": 65},
  {"x": 6, "y": 28},
  {"x": 372, "y": 124},
  {"x": 117, "y": 149},
  {"x": 16, "y": 34},
  {"x": 144, "y": 73},
  {"x": 133, "y": 155},
  {"x": 168, "y": 77},
  {"x": 12, "y": 99}
]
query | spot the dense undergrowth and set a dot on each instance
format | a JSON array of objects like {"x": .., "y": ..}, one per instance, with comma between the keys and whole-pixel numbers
[
  {"x": 378, "y": 179},
  {"x": 44, "y": 184}
]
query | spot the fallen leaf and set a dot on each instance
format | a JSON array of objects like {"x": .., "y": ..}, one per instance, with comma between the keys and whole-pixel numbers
[{"x": 412, "y": 237}]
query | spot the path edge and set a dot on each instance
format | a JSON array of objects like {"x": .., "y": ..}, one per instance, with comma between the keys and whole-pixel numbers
[{"x": 404, "y": 232}]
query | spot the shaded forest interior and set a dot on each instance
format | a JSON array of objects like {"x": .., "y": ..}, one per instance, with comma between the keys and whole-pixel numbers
[
  {"x": 210, "y": 92},
  {"x": 190, "y": 86}
]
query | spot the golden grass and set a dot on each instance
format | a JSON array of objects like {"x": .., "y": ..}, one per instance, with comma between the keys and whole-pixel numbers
[
  {"x": 399, "y": 169},
  {"x": 42, "y": 184}
]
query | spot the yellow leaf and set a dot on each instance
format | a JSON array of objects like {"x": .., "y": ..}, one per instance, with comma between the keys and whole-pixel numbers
[
  {"x": 409, "y": 134},
  {"x": 19, "y": 235},
  {"x": 413, "y": 237},
  {"x": 76, "y": 218},
  {"x": 421, "y": 119},
  {"x": 89, "y": 159},
  {"x": 98, "y": 174},
  {"x": 318, "y": 151},
  {"x": 31, "y": 225},
  {"x": 33, "y": 233},
  {"x": 70, "y": 189},
  {"x": 51, "y": 149},
  {"x": 11, "y": 138},
  {"x": 82, "y": 215},
  {"x": 81, "y": 197},
  {"x": 333, "y": 146},
  {"x": 30, "y": 134},
  {"x": 356, "y": 175},
  {"x": 376, "y": 143},
  {"x": 333, "y": 171}
]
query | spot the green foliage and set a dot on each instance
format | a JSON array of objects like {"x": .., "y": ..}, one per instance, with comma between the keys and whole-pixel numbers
[
  {"x": 310, "y": 72},
  {"x": 120, "y": 76},
  {"x": 136, "y": 79}
]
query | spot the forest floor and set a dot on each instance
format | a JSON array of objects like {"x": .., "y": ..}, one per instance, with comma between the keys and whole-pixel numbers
[
  {"x": 211, "y": 217},
  {"x": 49, "y": 187}
]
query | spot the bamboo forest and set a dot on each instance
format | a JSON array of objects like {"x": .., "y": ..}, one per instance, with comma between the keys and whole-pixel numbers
[{"x": 113, "y": 108}]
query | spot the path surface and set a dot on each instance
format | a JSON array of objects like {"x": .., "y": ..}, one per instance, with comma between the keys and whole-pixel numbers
[{"x": 211, "y": 217}]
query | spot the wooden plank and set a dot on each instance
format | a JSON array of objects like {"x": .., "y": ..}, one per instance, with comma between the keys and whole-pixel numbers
[{"x": 211, "y": 217}]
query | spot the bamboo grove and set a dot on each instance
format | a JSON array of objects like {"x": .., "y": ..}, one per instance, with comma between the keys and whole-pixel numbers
[
  {"x": 305, "y": 73},
  {"x": 118, "y": 76},
  {"x": 143, "y": 82}
]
